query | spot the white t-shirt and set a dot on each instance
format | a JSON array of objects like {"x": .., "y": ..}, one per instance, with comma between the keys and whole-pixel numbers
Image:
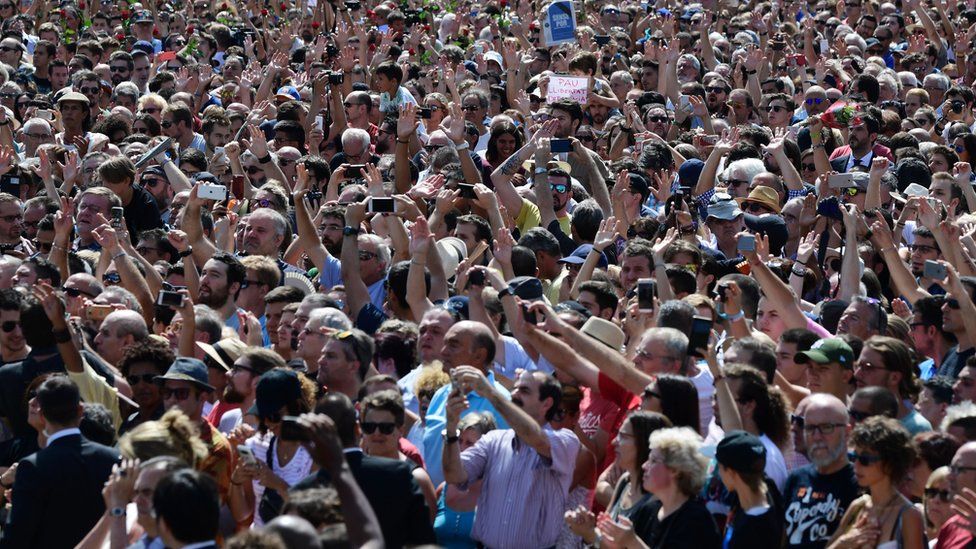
[{"x": 705, "y": 384}]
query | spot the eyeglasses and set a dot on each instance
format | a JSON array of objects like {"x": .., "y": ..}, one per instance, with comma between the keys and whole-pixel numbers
[
  {"x": 9, "y": 326},
  {"x": 715, "y": 89},
  {"x": 952, "y": 303},
  {"x": 864, "y": 459},
  {"x": 88, "y": 91},
  {"x": 13, "y": 218},
  {"x": 867, "y": 366},
  {"x": 166, "y": 124},
  {"x": 150, "y": 110},
  {"x": 8, "y": 48},
  {"x": 934, "y": 493},
  {"x": 75, "y": 292},
  {"x": 111, "y": 278},
  {"x": 808, "y": 167},
  {"x": 470, "y": 108},
  {"x": 813, "y": 101},
  {"x": 118, "y": 69},
  {"x": 957, "y": 469},
  {"x": 179, "y": 394},
  {"x": 366, "y": 256},
  {"x": 560, "y": 188},
  {"x": 150, "y": 182},
  {"x": 775, "y": 108},
  {"x": 736, "y": 182},
  {"x": 825, "y": 429},
  {"x": 148, "y": 379},
  {"x": 370, "y": 427},
  {"x": 922, "y": 248},
  {"x": 659, "y": 119},
  {"x": 858, "y": 417}
]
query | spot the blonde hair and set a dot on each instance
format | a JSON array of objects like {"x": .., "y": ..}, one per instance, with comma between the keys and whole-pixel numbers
[
  {"x": 171, "y": 435},
  {"x": 680, "y": 448},
  {"x": 430, "y": 380}
]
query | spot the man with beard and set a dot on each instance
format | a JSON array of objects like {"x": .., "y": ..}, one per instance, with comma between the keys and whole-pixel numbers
[
  {"x": 118, "y": 331},
  {"x": 12, "y": 225},
  {"x": 386, "y": 136},
  {"x": 120, "y": 64},
  {"x": 815, "y": 497},
  {"x": 242, "y": 381},
  {"x": 141, "y": 363},
  {"x": 956, "y": 532},
  {"x": 535, "y": 480},
  {"x": 155, "y": 181},
  {"x": 717, "y": 95},
  {"x": 863, "y": 318},
  {"x": 178, "y": 123},
  {"x": 598, "y": 115},
  {"x": 860, "y": 150},
  {"x": 13, "y": 346},
  {"x": 569, "y": 117},
  {"x": 220, "y": 283}
]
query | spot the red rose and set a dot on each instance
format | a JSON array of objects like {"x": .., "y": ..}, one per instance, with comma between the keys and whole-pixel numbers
[
  {"x": 504, "y": 3},
  {"x": 411, "y": 51},
  {"x": 283, "y": 6},
  {"x": 125, "y": 13},
  {"x": 315, "y": 24},
  {"x": 189, "y": 29},
  {"x": 370, "y": 13},
  {"x": 264, "y": 13},
  {"x": 81, "y": 5},
  {"x": 120, "y": 37},
  {"x": 426, "y": 28}
]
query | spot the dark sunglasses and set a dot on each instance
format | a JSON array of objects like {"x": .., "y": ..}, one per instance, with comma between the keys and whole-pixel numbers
[
  {"x": 180, "y": 394},
  {"x": 9, "y": 326},
  {"x": 111, "y": 278},
  {"x": 858, "y": 416},
  {"x": 715, "y": 89},
  {"x": 370, "y": 427},
  {"x": 75, "y": 292},
  {"x": 251, "y": 170},
  {"x": 814, "y": 101},
  {"x": 808, "y": 167},
  {"x": 659, "y": 119},
  {"x": 148, "y": 379},
  {"x": 863, "y": 459},
  {"x": 934, "y": 493},
  {"x": 650, "y": 393},
  {"x": 89, "y": 91},
  {"x": 166, "y": 124}
]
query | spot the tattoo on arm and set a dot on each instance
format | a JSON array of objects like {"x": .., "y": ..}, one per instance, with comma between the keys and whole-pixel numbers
[{"x": 512, "y": 164}]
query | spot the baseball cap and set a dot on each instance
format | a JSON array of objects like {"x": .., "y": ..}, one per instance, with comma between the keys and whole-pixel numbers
[
  {"x": 205, "y": 176},
  {"x": 225, "y": 352},
  {"x": 689, "y": 172},
  {"x": 142, "y": 16},
  {"x": 579, "y": 256},
  {"x": 276, "y": 389},
  {"x": 827, "y": 351},
  {"x": 287, "y": 93},
  {"x": 529, "y": 288},
  {"x": 724, "y": 209},
  {"x": 188, "y": 369},
  {"x": 741, "y": 451}
]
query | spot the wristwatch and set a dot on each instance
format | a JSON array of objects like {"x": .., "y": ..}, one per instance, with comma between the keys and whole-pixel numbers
[
  {"x": 188, "y": 251},
  {"x": 452, "y": 438},
  {"x": 117, "y": 512},
  {"x": 350, "y": 231},
  {"x": 506, "y": 291}
]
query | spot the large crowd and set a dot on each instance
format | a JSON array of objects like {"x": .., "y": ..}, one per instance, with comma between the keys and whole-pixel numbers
[{"x": 479, "y": 274}]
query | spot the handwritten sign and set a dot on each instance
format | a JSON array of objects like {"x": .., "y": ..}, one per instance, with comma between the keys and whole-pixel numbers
[
  {"x": 567, "y": 87},
  {"x": 559, "y": 23}
]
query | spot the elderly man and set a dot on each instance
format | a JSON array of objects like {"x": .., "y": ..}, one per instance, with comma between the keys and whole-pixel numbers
[
  {"x": 33, "y": 134},
  {"x": 12, "y": 226},
  {"x": 118, "y": 331},
  {"x": 356, "y": 149},
  {"x": 956, "y": 532}
]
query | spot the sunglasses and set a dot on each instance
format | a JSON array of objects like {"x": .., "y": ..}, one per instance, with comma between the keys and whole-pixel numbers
[
  {"x": 251, "y": 170},
  {"x": 715, "y": 89},
  {"x": 118, "y": 69},
  {"x": 88, "y": 91},
  {"x": 148, "y": 379},
  {"x": 864, "y": 459},
  {"x": 934, "y": 493},
  {"x": 43, "y": 247},
  {"x": 560, "y": 188},
  {"x": 370, "y": 427},
  {"x": 808, "y": 167},
  {"x": 650, "y": 393},
  {"x": 150, "y": 182},
  {"x": 366, "y": 256},
  {"x": 757, "y": 208},
  {"x": 858, "y": 417},
  {"x": 111, "y": 278},
  {"x": 75, "y": 292},
  {"x": 179, "y": 394},
  {"x": 659, "y": 119},
  {"x": 166, "y": 124},
  {"x": 952, "y": 303},
  {"x": 775, "y": 108},
  {"x": 470, "y": 108},
  {"x": 814, "y": 101},
  {"x": 9, "y": 326}
]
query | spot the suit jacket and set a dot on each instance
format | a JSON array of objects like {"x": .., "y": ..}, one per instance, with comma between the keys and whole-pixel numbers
[
  {"x": 839, "y": 164},
  {"x": 393, "y": 493},
  {"x": 57, "y": 494}
]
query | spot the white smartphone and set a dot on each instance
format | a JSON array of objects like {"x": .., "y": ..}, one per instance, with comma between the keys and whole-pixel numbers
[
  {"x": 247, "y": 455},
  {"x": 319, "y": 120},
  {"x": 212, "y": 192}
]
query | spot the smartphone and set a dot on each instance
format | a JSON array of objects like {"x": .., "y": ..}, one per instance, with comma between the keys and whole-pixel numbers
[
  {"x": 237, "y": 186},
  {"x": 529, "y": 315},
  {"x": 645, "y": 295},
  {"x": 747, "y": 243},
  {"x": 117, "y": 216},
  {"x": 319, "y": 121},
  {"x": 709, "y": 139},
  {"x": 46, "y": 114},
  {"x": 557, "y": 146},
  {"x": 218, "y": 151},
  {"x": 166, "y": 56},
  {"x": 335, "y": 78},
  {"x": 355, "y": 170},
  {"x": 935, "y": 270},
  {"x": 829, "y": 207},
  {"x": 476, "y": 278},
  {"x": 426, "y": 113},
  {"x": 841, "y": 180},
  {"x": 247, "y": 455},
  {"x": 467, "y": 191},
  {"x": 799, "y": 59},
  {"x": 824, "y": 46},
  {"x": 720, "y": 291},
  {"x": 292, "y": 430},
  {"x": 685, "y": 104},
  {"x": 602, "y": 39},
  {"x": 170, "y": 299},
  {"x": 701, "y": 331},
  {"x": 99, "y": 312},
  {"x": 934, "y": 203},
  {"x": 210, "y": 191},
  {"x": 10, "y": 184},
  {"x": 381, "y": 205}
]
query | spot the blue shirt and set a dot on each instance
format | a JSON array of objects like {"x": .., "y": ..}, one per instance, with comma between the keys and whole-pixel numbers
[
  {"x": 437, "y": 421},
  {"x": 332, "y": 276}
]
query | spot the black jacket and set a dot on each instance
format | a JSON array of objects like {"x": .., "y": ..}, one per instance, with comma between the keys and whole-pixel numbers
[
  {"x": 393, "y": 493},
  {"x": 57, "y": 494}
]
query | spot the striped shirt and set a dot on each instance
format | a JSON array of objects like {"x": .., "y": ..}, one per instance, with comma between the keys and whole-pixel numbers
[{"x": 523, "y": 496}]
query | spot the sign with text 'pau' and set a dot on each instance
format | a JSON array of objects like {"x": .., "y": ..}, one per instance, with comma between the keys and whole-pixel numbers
[{"x": 559, "y": 24}]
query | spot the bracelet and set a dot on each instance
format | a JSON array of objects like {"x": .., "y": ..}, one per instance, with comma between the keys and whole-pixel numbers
[
  {"x": 817, "y": 146},
  {"x": 265, "y": 159},
  {"x": 736, "y": 316},
  {"x": 415, "y": 262},
  {"x": 56, "y": 247},
  {"x": 751, "y": 72},
  {"x": 404, "y": 142},
  {"x": 61, "y": 336},
  {"x": 118, "y": 255},
  {"x": 187, "y": 252},
  {"x": 800, "y": 274},
  {"x": 461, "y": 146}
]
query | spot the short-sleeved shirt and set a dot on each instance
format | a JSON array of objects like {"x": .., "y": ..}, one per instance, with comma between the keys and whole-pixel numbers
[
  {"x": 141, "y": 213},
  {"x": 814, "y": 503},
  {"x": 219, "y": 462},
  {"x": 954, "y": 361}
]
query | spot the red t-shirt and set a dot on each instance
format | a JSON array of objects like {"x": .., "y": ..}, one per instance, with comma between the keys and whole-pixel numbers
[
  {"x": 954, "y": 534},
  {"x": 625, "y": 402},
  {"x": 408, "y": 449},
  {"x": 218, "y": 412}
]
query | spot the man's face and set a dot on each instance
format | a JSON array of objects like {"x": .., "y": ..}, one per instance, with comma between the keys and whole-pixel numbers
[
  {"x": 219, "y": 137},
  {"x": 829, "y": 378},
  {"x": 525, "y": 395},
  {"x": 59, "y": 77},
  {"x": 941, "y": 190},
  {"x": 371, "y": 268},
  {"x": 562, "y": 191},
  {"x": 951, "y": 317},
  {"x": 251, "y": 297},
  {"x": 726, "y": 231},
  {"x": 433, "y": 327},
  {"x": 474, "y": 112},
  {"x": 272, "y": 314},
  {"x": 354, "y": 107},
  {"x": 779, "y": 114},
  {"x": 912, "y": 104},
  {"x": 858, "y": 320},
  {"x": 214, "y": 290},
  {"x": 260, "y": 237},
  {"x": 930, "y": 408},
  {"x": 870, "y": 371},
  {"x": 565, "y": 128},
  {"x": 159, "y": 188},
  {"x": 458, "y": 349},
  {"x": 715, "y": 95},
  {"x": 923, "y": 335},
  {"x": 142, "y": 496},
  {"x": 72, "y": 112},
  {"x": 860, "y": 139},
  {"x": 10, "y": 52},
  {"x": 171, "y": 128},
  {"x": 330, "y": 232},
  {"x": 12, "y": 341},
  {"x": 145, "y": 391},
  {"x": 793, "y": 372},
  {"x": 467, "y": 233},
  {"x": 823, "y": 449},
  {"x": 311, "y": 341},
  {"x": 965, "y": 386},
  {"x": 24, "y": 276},
  {"x": 151, "y": 251},
  {"x": 633, "y": 268},
  {"x": 140, "y": 70},
  {"x": 11, "y": 221},
  {"x": 963, "y": 470},
  {"x": 185, "y": 397},
  {"x": 653, "y": 358},
  {"x": 334, "y": 365},
  {"x": 599, "y": 113},
  {"x": 588, "y": 300},
  {"x": 240, "y": 379},
  {"x": 109, "y": 343},
  {"x": 120, "y": 71}
]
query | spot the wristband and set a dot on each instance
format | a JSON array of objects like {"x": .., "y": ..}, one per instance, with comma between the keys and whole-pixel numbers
[
  {"x": 404, "y": 142},
  {"x": 5, "y": 122},
  {"x": 117, "y": 512},
  {"x": 350, "y": 231},
  {"x": 61, "y": 336},
  {"x": 733, "y": 318},
  {"x": 751, "y": 72},
  {"x": 118, "y": 255},
  {"x": 265, "y": 159},
  {"x": 800, "y": 274},
  {"x": 504, "y": 292},
  {"x": 188, "y": 251},
  {"x": 461, "y": 146}
]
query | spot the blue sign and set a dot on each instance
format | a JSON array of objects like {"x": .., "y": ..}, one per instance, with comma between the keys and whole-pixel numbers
[{"x": 559, "y": 25}]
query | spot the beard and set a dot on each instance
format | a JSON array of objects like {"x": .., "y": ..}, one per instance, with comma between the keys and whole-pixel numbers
[
  {"x": 232, "y": 395},
  {"x": 832, "y": 454},
  {"x": 215, "y": 299}
]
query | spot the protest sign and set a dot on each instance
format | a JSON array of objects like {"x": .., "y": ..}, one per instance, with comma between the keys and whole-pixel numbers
[
  {"x": 559, "y": 23},
  {"x": 567, "y": 87}
]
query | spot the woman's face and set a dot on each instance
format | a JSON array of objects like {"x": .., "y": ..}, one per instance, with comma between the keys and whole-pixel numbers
[
  {"x": 437, "y": 114},
  {"x": 378, "y": 441},
  {"x": 469, "y": 437},
  {"x": 936, "y": 507},
  {"x": 626, "y": 446},
  {"x": 868, "y": 475},
  {"x": 657, "y": 475},
  {"x": 34, "y": 417},
  {"x": 960, "y": 146},
  {"x": 651, "y": 398},
  {"x": 506, "y": 145}
]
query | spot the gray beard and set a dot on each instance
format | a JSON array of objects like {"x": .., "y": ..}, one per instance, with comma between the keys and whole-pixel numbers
[{"x": 831, "y": 457}]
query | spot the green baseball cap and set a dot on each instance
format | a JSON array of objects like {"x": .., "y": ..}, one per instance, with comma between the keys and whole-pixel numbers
[{"x": 827, "y": 351}]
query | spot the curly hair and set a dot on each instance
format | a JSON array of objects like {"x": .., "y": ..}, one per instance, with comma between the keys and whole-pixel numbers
[
  {"x": 152, "y": 351},
  {"x": 171, "y": 435},
  {"x": 888, "y": 439},
  {"x": 935, "y": 448},
  {"x": 430, "y": 380},
  {"x": 680, "y": 447}
]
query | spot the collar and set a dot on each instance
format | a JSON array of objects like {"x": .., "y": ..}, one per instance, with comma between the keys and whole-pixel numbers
[
  {"x": 209, "y": 543},
  {"x": 353, "y": 450},
  {"x": 63, "y": 433}
]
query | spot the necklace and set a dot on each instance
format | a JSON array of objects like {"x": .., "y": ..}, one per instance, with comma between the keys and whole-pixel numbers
[{"x": 884, "y": 510}]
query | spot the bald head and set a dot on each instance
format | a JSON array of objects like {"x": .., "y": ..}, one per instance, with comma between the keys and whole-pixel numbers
[
  {"x": 825, "y": 430},
  {"x": 468, "y": 343},
  {"x": 118, "y": 331},
  {"x": 129, "y": 323},
  {"x": 964, "y": 478},
  {"x": 824, "y": 406},
  {"x": 295, "y": 531}
]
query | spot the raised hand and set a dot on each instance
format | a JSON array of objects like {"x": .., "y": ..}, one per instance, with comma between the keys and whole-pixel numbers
[
  {"x": 421, "y": 239},
  {"x": 408, "y": 122},
  {"x": 503, "y": 244},
  {"x": 606, "y": 235}
]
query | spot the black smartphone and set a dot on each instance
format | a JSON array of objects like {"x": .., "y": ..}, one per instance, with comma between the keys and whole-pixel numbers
[
  {"x": 381, "y": 205},
  {"x": 117, "y": 215},
  {"x": 701, "y": 330},
  {"x": 557, "y": 146},
  {"x": 355, "y": 170},
  {"x": 529, "y": 315},
  {"x": 291, "y": 430},
  {"x": 331, "y": 51},
  {"x": 602, "y": 39},
  {"x": 720, "y": 290},
  {"x": 170, "y": 299},
  {"x": 476, "y": 278},
  {"x": 467, "y": 191},
  {"x": 335, "y": 78},
  {"x": 830, "y": 208},
  {"x": 426, "y": 113},
  {"x": 645, "y": 295},
  {"x": 10, "y": 184}
]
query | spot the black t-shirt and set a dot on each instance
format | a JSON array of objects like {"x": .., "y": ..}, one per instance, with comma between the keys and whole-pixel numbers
[
  {"x": 815, "y": 503},
  {"x": 954, "y": 361},
  {"x": 141, "y": 214},
  {"x": 691, "y": 526},
  {"x": 14, "y": 380},
  {"x": 761, "y": 528}
]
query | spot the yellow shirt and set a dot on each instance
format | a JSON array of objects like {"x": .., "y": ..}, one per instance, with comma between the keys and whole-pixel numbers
[{"x": 94, "y": 389}]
